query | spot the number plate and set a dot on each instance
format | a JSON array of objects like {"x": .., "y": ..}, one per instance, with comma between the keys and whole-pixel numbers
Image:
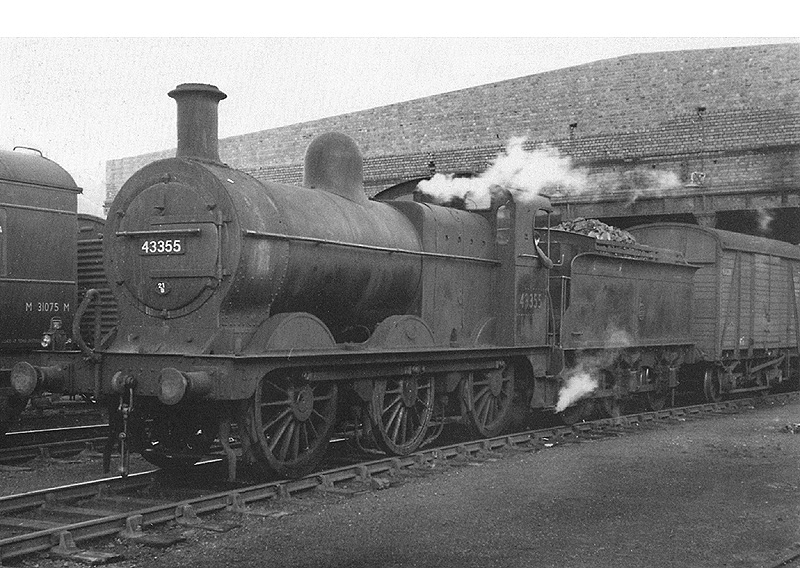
[{"x": 162, "y": 246}]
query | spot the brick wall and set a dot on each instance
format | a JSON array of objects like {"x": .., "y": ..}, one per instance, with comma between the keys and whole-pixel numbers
[{"x": 640, "y": 107}]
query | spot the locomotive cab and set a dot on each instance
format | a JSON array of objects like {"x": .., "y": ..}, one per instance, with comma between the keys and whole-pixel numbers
[{"x": 524, "y": 280}]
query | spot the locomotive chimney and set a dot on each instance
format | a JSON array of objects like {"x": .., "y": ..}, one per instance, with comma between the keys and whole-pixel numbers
[{"x": 197, "y": 120}]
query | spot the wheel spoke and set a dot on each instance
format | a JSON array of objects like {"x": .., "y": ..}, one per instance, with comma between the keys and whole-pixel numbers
[
  {"x": 417, "y": 417},
  {"x": 310, "y": 426},
  {"x": 481, "y": 394},
  {"x": 479, "y": 404},
  {"x": 398, "y": 389},
  {"x": 398, "y": 404},
  {"x": 303, "y": 436},
  {"x": 287, "y": 436},
  {"x": 296, "y": 440},
  {"x": 279, "y": 434},
  {"x": 277, "y": 388},
  {"x": 325, "y": 395},
  {"x": 406, "y": 417},
  {"x": 393, "y": 400},
  {"x": 482, "y": 416},
  {"x": 422, "y": 402},
  {"x": 281, "y": 402},
  {"x": 277, "y": 418},
  {"x": 394, "y": 425},
  {"x": 321, "y": 417},
  {"x": 493, "y": 410}
]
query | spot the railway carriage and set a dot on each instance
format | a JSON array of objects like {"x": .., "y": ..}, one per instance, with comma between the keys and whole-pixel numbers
[
  {"x": 50, "y": 261},
  {"x": 745, "y": 318},
  {"x": 38, "y": 241},
  {"x": 38, "y": 282}
]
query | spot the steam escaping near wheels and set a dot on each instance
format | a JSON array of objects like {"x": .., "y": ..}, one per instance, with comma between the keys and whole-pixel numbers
[
  {"x": 578, "y": 385},
  {"x": 583, "y": 379}
]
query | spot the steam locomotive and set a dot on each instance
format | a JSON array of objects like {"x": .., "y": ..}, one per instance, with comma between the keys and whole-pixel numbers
[{"x": 293, "y": 312}]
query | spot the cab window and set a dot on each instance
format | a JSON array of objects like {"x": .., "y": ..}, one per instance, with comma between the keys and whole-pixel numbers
[{"x": 503, "y": 225}]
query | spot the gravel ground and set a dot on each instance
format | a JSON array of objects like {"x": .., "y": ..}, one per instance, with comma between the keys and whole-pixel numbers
[{"x": 723, "y": 491}]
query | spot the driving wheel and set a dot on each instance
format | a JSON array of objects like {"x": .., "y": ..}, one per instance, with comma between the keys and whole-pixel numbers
[
  {"x": 488, "y": 397},
  {"x": 290, "y": 422},
  {"x": 400, "y": 412}
]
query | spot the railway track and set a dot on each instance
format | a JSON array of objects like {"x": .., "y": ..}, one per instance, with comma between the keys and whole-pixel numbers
[
  {"x": 58, "y": 519},
  {"x": 63, "y": 409},
  {"x": 24, "y": 445}
]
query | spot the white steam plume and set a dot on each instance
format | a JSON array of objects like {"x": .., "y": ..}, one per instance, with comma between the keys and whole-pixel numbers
[
  {"x": 635, "y": 183},
  {"x": 528, "y": 173},
  {"x": 579, "y": 384},
  {"x": 524, "y": 174},
  {"x": 650, "y": 183},
  {"x": 582, "y": 379}
]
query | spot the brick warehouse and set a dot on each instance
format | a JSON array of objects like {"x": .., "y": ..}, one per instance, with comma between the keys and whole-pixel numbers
[{"x": 725, "y": 121}]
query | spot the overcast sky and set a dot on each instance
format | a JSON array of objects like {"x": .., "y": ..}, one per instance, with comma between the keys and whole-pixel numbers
[{"x": 83, "y": 101}]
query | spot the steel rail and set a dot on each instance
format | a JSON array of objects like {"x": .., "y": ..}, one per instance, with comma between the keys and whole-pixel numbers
[
  {"x": 24, "y": 445},
  {"x": 56, "y": 431}
]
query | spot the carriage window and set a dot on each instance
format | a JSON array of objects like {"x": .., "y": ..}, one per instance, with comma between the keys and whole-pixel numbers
[{"x": 503, "y": 225}]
